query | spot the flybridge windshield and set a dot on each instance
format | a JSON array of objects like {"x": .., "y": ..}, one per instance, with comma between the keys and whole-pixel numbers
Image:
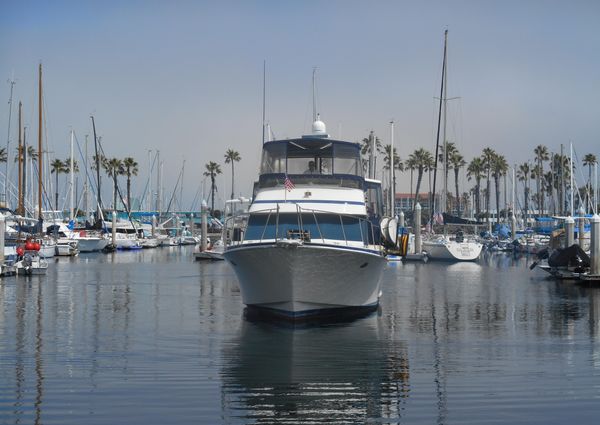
[{"x": 311, "y": 157}]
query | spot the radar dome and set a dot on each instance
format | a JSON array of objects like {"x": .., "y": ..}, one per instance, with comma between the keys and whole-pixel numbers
[{"x": 318, "y": 127}]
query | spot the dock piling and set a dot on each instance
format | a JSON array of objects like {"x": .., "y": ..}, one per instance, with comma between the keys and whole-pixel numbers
[
  {"x": 204, "y": 226},
  {"x": 2, "y": 230},
  {"x": 417, "y": 221},
  {"x": 570, "y": 229},
  {"x": 114, "y": 227},
  {"x": 581, "y": 228},
  {"x": 595, "y": 245},
  {"x": 401, "y": 219}
]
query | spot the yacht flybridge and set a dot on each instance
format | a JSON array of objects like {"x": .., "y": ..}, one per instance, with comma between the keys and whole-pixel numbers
[{"x": 311, "y": 241}]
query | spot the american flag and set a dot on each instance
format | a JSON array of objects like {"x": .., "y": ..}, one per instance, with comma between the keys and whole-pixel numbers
[{"x": 289, "y": 185}]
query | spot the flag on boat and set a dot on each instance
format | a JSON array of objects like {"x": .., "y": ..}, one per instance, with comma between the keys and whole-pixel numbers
[{"x": 289, "y": 185}]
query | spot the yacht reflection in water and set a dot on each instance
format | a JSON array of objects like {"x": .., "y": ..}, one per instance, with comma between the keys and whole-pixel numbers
[{"x": 328, "y": 373}]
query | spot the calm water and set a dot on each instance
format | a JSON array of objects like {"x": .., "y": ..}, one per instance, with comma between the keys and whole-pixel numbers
[{"x": 151, "y": 337}]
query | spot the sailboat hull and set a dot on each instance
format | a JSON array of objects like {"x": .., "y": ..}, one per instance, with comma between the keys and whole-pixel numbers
[{"x": 452, "y": 250}]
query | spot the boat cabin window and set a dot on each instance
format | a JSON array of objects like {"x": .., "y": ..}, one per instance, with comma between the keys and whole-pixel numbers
[
  {"x": 308, "y": 226},
  {"x": 317, "y": 157}
]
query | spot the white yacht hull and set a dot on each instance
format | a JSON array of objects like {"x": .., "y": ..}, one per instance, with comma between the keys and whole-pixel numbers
[
  {"x": 452, "y": 250},
  {"x": 299, "y": 280},
  {"x": 91, "y": 244}
]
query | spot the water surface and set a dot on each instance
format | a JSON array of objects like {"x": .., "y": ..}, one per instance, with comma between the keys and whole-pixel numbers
[{"x": 152, "y": 337}]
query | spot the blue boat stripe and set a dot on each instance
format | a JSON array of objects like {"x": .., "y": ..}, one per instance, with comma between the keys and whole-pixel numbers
[{"x": 306, "y": 201}]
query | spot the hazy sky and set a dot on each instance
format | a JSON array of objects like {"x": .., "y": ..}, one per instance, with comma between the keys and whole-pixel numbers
[{"x": 185, "y": 77}]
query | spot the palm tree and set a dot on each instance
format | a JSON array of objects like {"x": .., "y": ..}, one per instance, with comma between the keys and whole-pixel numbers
[
  {"x": 541, "y": 156},
  {"x": 589, "y": 160},
  {"x": 456, "y": 161},
  {"x": 397, "y": 166},
  {"x": 114, "y": 168},
  {"x": 475, "y": 171},
  {"x": 57, "y": 167},
  {"x": 420, "y": 159},
  {"x": 499, "y": 169},
  {"x": 3, "y": 155},
  {"x": 365, "y": 151},
  {"x": 488, "y": 157},
  {"x": 524, "y": 175},
  {"x": 232, "y": 156},
  {"x": 130, "y": 168},
  {"x": 411, "y": 165},
  {"x": 212, "y": 169},
  {"x": 444, "y": 157}
]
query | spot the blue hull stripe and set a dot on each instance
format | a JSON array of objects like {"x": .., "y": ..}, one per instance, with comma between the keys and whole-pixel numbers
[{"x": 306, "y": 201}]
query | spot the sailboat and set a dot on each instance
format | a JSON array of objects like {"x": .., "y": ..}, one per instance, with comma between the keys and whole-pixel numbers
[{"x": 444, "y": 247}]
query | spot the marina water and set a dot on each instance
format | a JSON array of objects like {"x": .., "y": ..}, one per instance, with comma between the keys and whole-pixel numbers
[{"x": 150, "y": 337}]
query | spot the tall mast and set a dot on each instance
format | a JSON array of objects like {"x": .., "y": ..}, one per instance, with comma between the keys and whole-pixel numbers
[
  {"x": 40, "y": 164},
  {"x": 12, "y": 84},
  {"x": 72, "y": 169},
  {"x": 20, "y": 159},
  {"x": 571, "y": 175},
  {"x": 158, "y": 183},
  {"x": 437, "y": 143},
  {"x": 98, "y": 196},
  {"x": 445, "y": 192},
  {"x": 392, "y": 164},
  {"x": 85, "y": 180}
]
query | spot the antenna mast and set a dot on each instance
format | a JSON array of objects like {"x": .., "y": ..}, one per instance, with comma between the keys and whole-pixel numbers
[
  {"x": 264, "y": 98},
  {"x": 313, "y": 94}
]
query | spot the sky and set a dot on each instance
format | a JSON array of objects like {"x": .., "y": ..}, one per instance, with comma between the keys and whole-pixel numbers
[{"x": 186, "y": 77}]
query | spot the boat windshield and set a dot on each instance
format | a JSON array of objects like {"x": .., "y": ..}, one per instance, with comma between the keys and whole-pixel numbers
[{"x": 311, "y": 156}]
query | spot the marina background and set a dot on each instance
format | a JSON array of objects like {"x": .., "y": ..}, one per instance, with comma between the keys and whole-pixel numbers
[{"x": 185, "y": 78}]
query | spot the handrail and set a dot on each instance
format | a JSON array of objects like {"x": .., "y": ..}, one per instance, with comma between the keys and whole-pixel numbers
[{"x": 230, "y": 225}]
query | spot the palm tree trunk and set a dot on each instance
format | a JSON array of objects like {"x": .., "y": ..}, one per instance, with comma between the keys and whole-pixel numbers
[
  {"x": 232, "y": 180},
  {"x": 56, "y": 194},
  {"x": 457, "y": 192},
  {"x": 115, "y": 192},
  {"x": 497, "y": 184},
  {"x": 128, "y": 193},
  {"x": 212, "y": 196}
]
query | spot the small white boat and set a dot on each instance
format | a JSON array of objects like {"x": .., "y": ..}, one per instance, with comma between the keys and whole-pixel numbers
[
  {"x": 214, "y": 252},
  {"x": 445, "y": 248},
  {"x": 31, "y": 264},
  {"x": 66, "y": 247},
  {"x": 150, "y": 242}
]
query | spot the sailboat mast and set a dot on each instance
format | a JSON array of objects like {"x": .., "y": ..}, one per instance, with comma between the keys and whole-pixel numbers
[
  {"x": 71, "y": 168},
  {"x": 20, "y": 159},
  {"x": 40, "y": 164},
  {"x": 12, "y": 83},
  {"x": 445, "y": 100},
  {"x": 85, "y": 180},
  {"x": 437, "y": 143},
  {"x": 392, "y": 164},
  {"x": 98, "y": 196},
  {"x": 571, "y": 175}
]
